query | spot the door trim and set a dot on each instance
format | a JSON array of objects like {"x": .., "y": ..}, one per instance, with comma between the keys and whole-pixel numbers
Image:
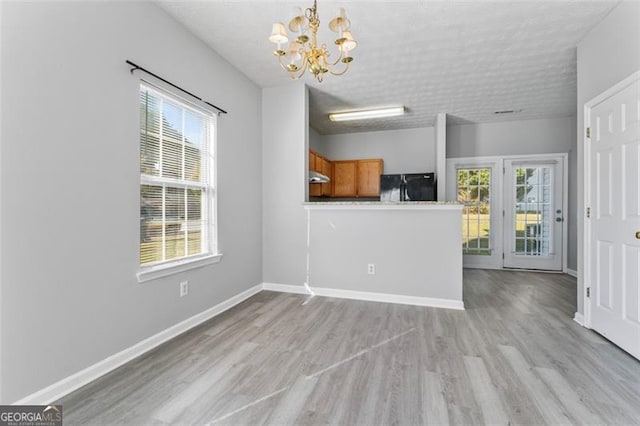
[
  {"x": 498, "y": 202},
  {"x": 586, "y": 223}
]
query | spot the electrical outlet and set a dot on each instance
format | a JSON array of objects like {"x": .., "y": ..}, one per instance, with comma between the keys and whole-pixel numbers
[
  {"x": 184, "y": 288},
  {"x": 371, "y": 269}
]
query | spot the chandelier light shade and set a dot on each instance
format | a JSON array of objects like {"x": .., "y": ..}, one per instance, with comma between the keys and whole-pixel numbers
[
  {"x": 278, "y": 34},
  {"x": 303, "y": 53}
]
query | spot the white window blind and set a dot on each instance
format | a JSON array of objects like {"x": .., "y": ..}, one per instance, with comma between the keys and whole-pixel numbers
[{"x": 177, "y": 198}]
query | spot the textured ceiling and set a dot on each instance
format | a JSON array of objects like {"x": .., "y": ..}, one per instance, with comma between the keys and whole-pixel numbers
[{"x": 467, "y": 59}]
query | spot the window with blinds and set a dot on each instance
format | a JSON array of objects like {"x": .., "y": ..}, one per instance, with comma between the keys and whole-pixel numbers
[{"x": 177, "y": 205}]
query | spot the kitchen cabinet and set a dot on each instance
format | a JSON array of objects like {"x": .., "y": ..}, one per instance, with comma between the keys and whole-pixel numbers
[
  {"x": 319, "y": 159},
  {"x": 326, "y": 170},
  {"x": 347, "y": 178},
  {"x": 318, "y": 163},
  {"x": 315, "y": 189},
  {"x": 312, "y": 161},
  {"x": 344, "y": 178},
  {"x": 357, "y": 178},
  {"x": 368, "y": 181}
]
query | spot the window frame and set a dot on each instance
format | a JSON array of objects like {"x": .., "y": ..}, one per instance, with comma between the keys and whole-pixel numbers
[{"x": 210, "y": 228}]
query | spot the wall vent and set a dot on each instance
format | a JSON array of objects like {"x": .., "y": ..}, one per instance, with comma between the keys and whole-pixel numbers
[{"x": 508, "y": 111}]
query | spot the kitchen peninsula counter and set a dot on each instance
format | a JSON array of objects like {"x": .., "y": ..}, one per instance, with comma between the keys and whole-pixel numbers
[
  {"x": 413, "y": 248},
  {"x": 383, "y": 205}
]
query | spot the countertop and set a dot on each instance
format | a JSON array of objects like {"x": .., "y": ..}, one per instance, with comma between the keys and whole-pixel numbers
[{"x": 383, "y": 205}]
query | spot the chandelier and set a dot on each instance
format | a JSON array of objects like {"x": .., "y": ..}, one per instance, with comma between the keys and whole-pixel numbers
[{"x": 304, "y": 53}]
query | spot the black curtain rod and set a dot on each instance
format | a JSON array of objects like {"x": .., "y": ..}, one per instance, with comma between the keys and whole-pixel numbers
[{"x": 138, "y": 67}]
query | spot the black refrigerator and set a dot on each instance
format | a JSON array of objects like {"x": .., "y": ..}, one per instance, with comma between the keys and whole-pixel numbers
[{"x": 408, "y": 187}]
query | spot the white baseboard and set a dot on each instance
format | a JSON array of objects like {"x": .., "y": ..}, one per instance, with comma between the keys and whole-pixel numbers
[
  {"x": 285, "y": 288},
  {"x": 579, "y": 318},
  {"x": 501, "y": 268},
  {"x": 368, "y": 296},
  {"x": 572, "y": 272},
  {"x": 69, "y": 384}
]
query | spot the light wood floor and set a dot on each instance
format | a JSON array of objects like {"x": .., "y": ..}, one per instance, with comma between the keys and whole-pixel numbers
[{"x": 514, "y": 356}]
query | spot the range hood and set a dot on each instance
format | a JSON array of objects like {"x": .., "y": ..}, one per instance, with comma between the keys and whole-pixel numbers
[{"x": 315, "y": 177}]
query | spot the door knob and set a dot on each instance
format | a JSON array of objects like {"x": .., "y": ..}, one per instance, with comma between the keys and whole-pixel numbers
[
  {"x": 638, "y": 235},
  {"x": 559, "y": 219}
]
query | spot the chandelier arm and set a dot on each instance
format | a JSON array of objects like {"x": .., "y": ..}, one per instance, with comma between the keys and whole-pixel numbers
[
  {"x": 283, "y": 67},
  {"x": 280, "y": 62},
  {"x": 346, "y": 68},
  {"x": 302, "y": 71},
  {"x": 302, "y": 68},
  {"x": 333, "y": 64},
  {"x": 327, "y": 54}
]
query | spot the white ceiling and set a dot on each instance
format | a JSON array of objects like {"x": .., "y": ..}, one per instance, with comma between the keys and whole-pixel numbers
[{"x": 468, "y": 59}]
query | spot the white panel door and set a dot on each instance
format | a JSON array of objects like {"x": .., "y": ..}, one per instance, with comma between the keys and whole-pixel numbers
[
  {"x": 613, "y": 252},
  {"x": 533, "y": 214}
]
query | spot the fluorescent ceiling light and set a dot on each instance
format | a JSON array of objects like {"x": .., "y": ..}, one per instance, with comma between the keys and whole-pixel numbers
[{"x": 362, "y": 115}]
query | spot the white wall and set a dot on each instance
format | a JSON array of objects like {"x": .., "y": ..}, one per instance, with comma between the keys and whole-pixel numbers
[
  {"x": 70, "y": 184},
  {"x": 315, "y": 141},
  {"x": 415, "y": 252},
  {"x": 524, "y": 137},
  {"x": 403, "y": 151},
  {"x": 284, "y": 139},
  {"x": 1, "y": 234},
  {"x": 607, "y": 55},
  {"x": 510, "y": 138}
]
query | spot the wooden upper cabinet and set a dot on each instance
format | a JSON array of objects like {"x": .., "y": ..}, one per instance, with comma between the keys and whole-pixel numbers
[
  {"x": 318, "y": 163},
  {"x": 344, "y": 178},
  {"x": 315, "y": 189},
  {"x": 369, "y": 172},
  {"x": 348, "y": 178},
  {"x": 319, "y": 159},
  {"x": 326, "y": 170},
  {"x": 312, "y": 161}
]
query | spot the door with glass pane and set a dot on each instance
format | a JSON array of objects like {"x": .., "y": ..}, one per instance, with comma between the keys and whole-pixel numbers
[
  {"x": 475, "y": 186},
  {"x": 473, "y": 191},
  {"x": 533, "y": 215}
]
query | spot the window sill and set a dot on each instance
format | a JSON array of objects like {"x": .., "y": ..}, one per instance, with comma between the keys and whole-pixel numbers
[{"x": 164, "y": 270}]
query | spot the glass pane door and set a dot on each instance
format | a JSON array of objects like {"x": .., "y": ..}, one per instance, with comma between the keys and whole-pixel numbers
[
  {"x": 532, "y": 211},
  {"x": 473, "y": 190},
  {"x": 533, "y": 215}
]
